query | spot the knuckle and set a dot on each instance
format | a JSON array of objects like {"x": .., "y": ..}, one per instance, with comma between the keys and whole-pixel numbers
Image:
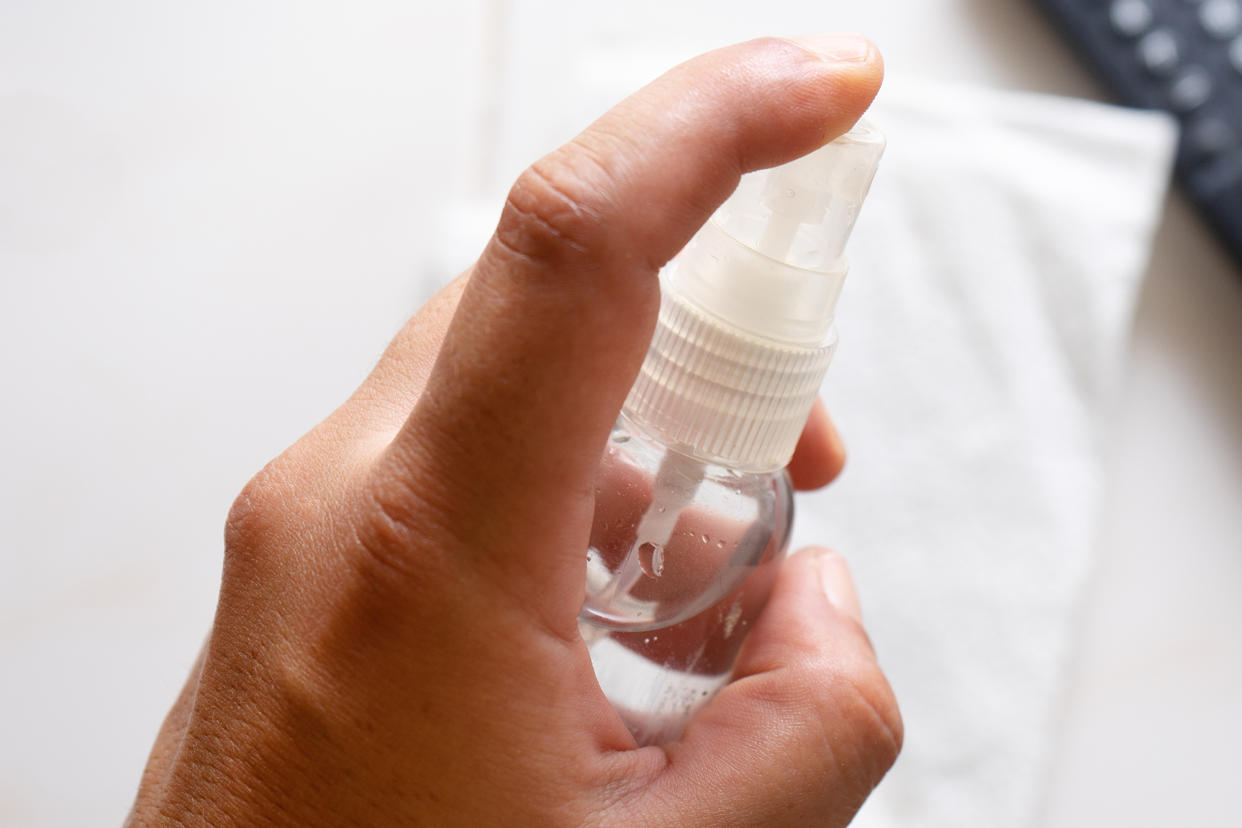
[
  {"x": 851, "y": 702},
  {"x": 280, "y": 513},
  {"x": 554, "y": 209},
  {"x": 396, "y": 520},
  {"x": 879, "y": 719},
  {"x": 864, "y": 700},
  {"x": 844, "y": 715},
  {"x": 388, "y": 525},
  {"x": 254, "y": 515}
]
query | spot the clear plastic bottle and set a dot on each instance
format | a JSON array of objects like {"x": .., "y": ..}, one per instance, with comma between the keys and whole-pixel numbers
[
  {"x": 664, "y": 617},
  {"x": 692, "y": 505}
]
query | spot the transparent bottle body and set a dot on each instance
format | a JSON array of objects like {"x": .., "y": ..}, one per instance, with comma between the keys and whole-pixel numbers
[{"x": 681, "y": 561}]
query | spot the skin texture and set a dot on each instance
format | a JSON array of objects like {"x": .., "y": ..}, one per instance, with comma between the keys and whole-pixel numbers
[{"x": 396, "y": 639}]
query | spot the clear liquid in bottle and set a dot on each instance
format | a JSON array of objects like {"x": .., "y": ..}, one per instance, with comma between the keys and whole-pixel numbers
[{"x": 681, "y": 561}]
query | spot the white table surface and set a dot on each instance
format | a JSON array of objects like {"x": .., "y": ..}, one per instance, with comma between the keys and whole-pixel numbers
[{"x": 211, "y": 219}]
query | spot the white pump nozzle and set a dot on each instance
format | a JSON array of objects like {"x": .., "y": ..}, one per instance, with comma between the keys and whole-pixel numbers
[
  {"x": 745, "y": 332},
  {"x": 806, "y": 208},
  {"x": 771, "y": 260}
]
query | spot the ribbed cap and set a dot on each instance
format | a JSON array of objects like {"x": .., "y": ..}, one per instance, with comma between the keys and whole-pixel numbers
[{"x": 723, "y": 395}]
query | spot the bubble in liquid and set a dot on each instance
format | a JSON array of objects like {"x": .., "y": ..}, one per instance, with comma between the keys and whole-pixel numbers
[
  {"x": 620, "y": 435},
  {"x": 720, "y": 544},
  {"x": 651, "y": 559},
  {"x": 735, "y": 612},
  {"x": 703, "y": 538}
]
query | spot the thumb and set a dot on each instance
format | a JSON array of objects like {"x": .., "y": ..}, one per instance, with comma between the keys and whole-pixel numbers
[{"x": 808, "y": 713}]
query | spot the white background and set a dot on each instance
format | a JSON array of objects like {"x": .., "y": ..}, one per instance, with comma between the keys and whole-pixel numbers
[{"x": 212, "y": 218}]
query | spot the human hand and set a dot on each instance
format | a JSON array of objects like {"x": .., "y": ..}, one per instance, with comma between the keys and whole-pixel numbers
[{"x": 396, "y": 639}]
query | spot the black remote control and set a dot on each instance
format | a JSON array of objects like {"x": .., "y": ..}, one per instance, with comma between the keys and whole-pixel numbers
[{"x": 1185, "y": 57}]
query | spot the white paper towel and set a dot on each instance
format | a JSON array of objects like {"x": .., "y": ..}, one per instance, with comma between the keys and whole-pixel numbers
[{"x": 983, "y": 326}]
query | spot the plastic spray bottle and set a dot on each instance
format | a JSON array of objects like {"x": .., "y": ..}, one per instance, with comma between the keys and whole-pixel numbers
[{"x": 693, "y": 506}]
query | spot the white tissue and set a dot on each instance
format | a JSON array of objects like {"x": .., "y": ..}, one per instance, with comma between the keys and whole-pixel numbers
[{"x": 983, "y": 326}]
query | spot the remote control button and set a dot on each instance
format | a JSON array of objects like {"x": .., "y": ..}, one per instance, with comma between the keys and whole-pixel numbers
[
  {"x": 1221, "y": 18},
  {"x": 1190, "y": 89},
  {"x": 1216, "y": 177},
  {"x": 1235, "y": 54},
  {"x": 1210, "y": 135},
  {"x": 1130, "y": 18},
  {"x": 1158, "y": 52}
]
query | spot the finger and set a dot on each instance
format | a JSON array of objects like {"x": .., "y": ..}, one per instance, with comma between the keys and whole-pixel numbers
[
  {"x": 361, "y": 427},
  {"x": 820, "y": 454},
  {"x": 808, "y": 713},
  {"x": 395, "y": 383},
  {"x": 554, "y": 322}
]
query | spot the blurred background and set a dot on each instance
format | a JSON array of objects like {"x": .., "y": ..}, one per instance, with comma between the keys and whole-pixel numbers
[{"x": 213, "y": 217}]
